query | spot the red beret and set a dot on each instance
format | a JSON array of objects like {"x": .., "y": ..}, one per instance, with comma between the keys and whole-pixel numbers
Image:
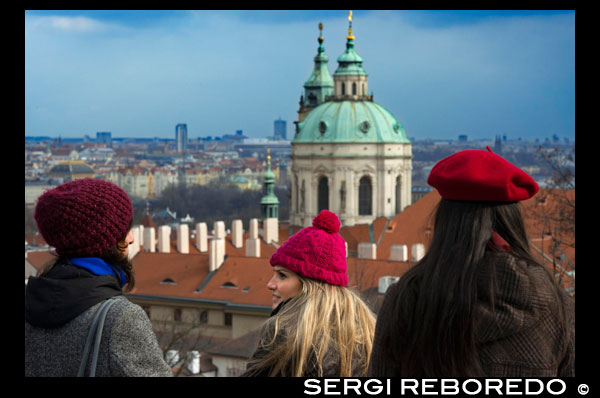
[{"x": 478, "y": 175}]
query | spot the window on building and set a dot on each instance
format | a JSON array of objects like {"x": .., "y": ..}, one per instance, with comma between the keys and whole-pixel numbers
[
  {"x": 353, "y": 88},
  {"x": 203, "y": 316},
  {"x": 177, "y": 314},
  {"x": 323, "y": 194},
  {"x": 343, "y": 89},
  {"x": 228, "y": 319},
  {"x": 365, "y": 207}
]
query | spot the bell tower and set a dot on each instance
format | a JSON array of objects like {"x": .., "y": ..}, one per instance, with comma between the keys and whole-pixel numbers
[{"x": 320, "y": 83}]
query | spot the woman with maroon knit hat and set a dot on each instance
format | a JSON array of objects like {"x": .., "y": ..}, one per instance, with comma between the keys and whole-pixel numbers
[
  {"x": 477, "y": 304},
  {"x": 88, "y": 224},
  {"x": 318, "y": 327}
]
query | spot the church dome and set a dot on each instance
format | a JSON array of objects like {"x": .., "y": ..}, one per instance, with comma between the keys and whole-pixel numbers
[{"x": 350, "y": 122}]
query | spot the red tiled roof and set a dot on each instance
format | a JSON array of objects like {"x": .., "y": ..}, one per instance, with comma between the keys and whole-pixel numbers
[{"x": 39, "y": 258}]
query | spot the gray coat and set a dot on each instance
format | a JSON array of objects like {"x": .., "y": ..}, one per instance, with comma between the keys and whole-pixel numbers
[
  {"x": 128, "y": 346},
  {"x": 59, "y": 309}
]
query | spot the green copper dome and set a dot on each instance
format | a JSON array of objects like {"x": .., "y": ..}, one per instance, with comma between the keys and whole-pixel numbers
[{"x": 350, "y": 122}]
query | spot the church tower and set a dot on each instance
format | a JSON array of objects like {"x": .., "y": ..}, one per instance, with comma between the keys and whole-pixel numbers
[
  {"x": 319, "y": 85},
  {"x": 269, "y": 204},
  {"x": 349, "y": 154}
]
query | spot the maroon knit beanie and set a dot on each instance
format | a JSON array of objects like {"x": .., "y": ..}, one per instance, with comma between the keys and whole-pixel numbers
[
  {"x": 316, "y": 252},
  {"x": 83, "y": 218}
]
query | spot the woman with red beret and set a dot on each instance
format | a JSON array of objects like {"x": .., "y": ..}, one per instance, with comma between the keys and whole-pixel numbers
[
  {"x": 88, "y": 223},
  {"x": 318, "y": 326},
  {"x": 478, "y": 304}
]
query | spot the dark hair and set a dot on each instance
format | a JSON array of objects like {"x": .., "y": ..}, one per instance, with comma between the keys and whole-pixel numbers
[
  {"x": 113, "y": 256},
  {"x": 430, "y": 332}
]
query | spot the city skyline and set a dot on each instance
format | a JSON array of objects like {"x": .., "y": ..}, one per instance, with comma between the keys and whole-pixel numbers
[{"x": 440, "y": 73}]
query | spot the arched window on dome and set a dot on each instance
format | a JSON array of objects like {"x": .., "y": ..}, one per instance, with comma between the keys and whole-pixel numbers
[
  {"x": 323, "y": 194},
  {"x": 365, "y": 198},
  {"x": 353, "y": 88},
  {"x": 343, "y": 89}
]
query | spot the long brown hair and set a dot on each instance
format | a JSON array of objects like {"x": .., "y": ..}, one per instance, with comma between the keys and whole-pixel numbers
[
  {"x": 113, "y": 256},
  {"x": 430, "y": 332}
]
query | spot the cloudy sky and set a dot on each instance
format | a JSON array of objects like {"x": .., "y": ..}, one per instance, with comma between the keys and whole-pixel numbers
[{"x": 440, "y": 73}]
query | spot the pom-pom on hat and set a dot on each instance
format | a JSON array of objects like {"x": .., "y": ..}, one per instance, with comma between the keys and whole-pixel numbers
[
  {"x": 477, "y": 175},
  {"x": 83, "y": 218},
  {"x": 316, "y": 252}
]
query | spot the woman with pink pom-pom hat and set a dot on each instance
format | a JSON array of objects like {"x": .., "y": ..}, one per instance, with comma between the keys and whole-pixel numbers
[{"x": 318, "y": 327}]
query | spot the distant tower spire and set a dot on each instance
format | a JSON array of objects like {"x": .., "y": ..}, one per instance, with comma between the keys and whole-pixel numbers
[
  {"x": 269, "y": 204},
  {"x": 320, "y": 83},
  {"x": 350, "y": 36}
]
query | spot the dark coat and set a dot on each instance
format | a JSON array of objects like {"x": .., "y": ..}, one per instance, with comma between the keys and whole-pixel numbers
[
  {"x": 525, "y": 337},
  {"x": 59, "y": 309}
]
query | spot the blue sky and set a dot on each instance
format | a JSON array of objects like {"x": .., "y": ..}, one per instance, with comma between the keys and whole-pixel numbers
[{"x": 440, "y": 73}]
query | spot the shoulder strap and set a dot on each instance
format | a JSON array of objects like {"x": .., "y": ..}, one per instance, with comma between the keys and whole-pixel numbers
[{"x": 96, "y": 328}]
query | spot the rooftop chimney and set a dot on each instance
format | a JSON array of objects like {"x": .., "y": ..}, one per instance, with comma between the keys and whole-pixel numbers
[
  {"x": 220, "y": 229},
  {"x": 183, "y": 239},
  {"x": 237, "y": 234},
  {"x": 164, "y": 239},
  {"x": 202, "y": 237},
  {"x": 216, "y": 254},
  {"x": 417, "y": 252},
  {"x": 141, "y": 228},
  {"x": 271, "y": 229},
  {"x": 367, "y": 250},
  {"x": 150, "y": 240},
  {"x": 399, "y": 253},
  {"x": 253, "y": 242}
]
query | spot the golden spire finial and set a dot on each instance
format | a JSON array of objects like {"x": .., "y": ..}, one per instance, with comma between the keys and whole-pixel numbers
[
  {"x": 269, "y": 156},
  {"x": 350, "y": 36}
]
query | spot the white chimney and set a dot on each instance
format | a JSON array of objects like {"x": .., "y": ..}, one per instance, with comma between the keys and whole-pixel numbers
[
  {"x": 216, "y": 254},
  {"x": 346, "y": 243},
  {"x": 399, "y": 253},
  {"x": 417, "y": 252},
  {"x": 271, "y": 230},
  {"x": 253, "y": 247},
  {"x": 150, "y": 240},
  {"x": 183, "y": 239},
  {"x": 164, "y": 239},
  {"x": 141, "y": 228},
  {"x": 385, "y": 282},
  {"x": 194, "y": 362},
  {"x": 202, "y": 237},
  {"x": 237, "y": 234},
  {"x": 367, "y": 250},
  {"x": 220, "y": 229},
  {"x": 254, "y": 228}
]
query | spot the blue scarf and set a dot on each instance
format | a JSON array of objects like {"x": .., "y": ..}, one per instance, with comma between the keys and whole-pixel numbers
[{"x": 99, "y": 267}]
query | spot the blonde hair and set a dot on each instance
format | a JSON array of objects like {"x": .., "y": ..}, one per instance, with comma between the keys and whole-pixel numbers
[{"x": 322, "y": 318}]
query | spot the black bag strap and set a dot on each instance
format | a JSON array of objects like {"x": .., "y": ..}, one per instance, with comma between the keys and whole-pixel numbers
[{"x": 95, "y": 329}]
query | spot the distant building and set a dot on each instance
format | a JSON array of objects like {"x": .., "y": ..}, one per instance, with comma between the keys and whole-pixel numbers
[
  {"x": 181, "y": 137},
  {"x": 280, "y": 130},
  {"x": 463, "y": 138},
  {"x": 104, "y": 137},
  {"x": 71, "y": 170}
]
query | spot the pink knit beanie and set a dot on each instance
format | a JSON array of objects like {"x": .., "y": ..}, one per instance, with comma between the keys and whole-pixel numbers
[
  {"x": 83, "y": 218},
  {"x": 316, "y": 252}
]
